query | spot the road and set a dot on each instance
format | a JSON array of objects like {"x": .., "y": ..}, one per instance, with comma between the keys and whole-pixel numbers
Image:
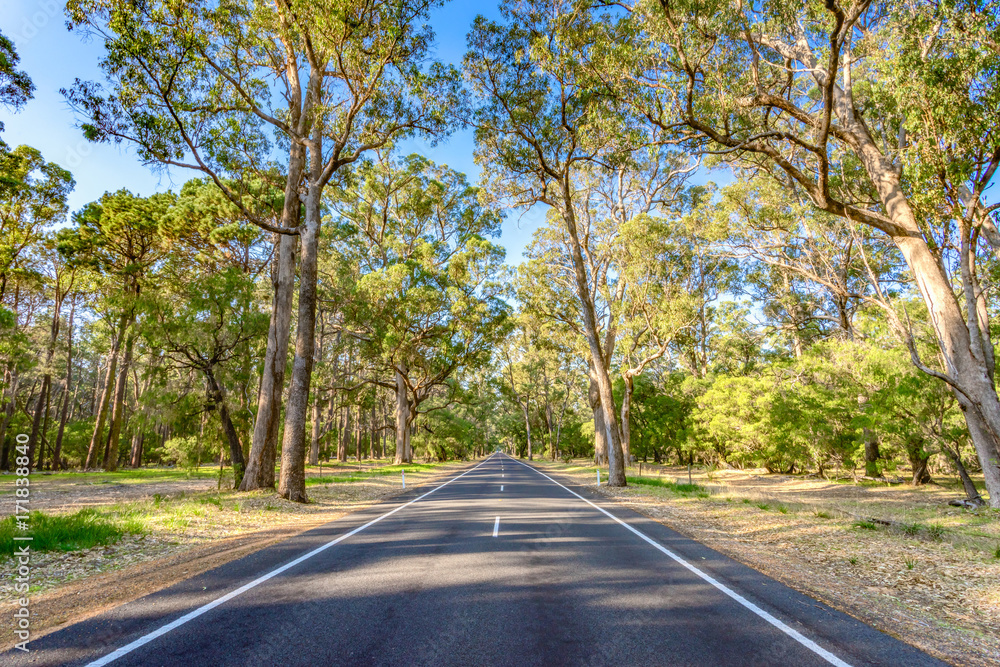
[{"x": 500, "y": 565}]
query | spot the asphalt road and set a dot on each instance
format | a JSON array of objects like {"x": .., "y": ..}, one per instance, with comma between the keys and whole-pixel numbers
[{"x": 499, "y": 566}]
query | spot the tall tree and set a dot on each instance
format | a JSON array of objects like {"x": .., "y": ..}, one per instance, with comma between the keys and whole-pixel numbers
[
  {"x": 903, "y": 140},
  {"x": 352, "y": 79}
]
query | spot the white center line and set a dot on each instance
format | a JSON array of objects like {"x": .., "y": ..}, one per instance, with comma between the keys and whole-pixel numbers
[
  {"x": 496, "y": 527},
  {"x": 501, "y": 487},
  {"x": 190, "y": 616},
  {"x": 780, "y": 625}
]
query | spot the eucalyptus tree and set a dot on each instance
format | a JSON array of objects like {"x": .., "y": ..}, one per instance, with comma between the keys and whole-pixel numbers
[
  {"x": 222, "y": 87},
  {"x": 884, "y": 114},
  {"x": 418, "y": 279},
  {"x": 811, "y": 271},
  {"x": 538, "y": 126}
]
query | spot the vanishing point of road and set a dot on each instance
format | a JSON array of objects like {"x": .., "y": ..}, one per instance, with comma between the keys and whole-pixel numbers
[{"x": 499, "y": 565}]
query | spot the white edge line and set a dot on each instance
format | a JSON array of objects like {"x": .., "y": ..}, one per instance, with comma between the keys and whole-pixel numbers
[
  {"x": 159, "y": 632},
  {"x": 791, "y": 632}
]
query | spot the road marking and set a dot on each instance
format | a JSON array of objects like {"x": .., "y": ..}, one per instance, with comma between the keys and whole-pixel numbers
[
  {"x": 496, "y": 527},
  {"x": 794, "y": 634},
  {"x": 190, "y": 616},
  {"x": 501, "y": 487}
]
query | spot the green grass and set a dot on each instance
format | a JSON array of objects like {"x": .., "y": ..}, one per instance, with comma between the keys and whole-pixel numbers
[
  {"x": 910, "y": 529},
  {"x": 358, "y": 475},
  {"x": 935, "y": 531},
  {"x": 910, "y": 563},
  {"x": 782, "y": 509},
  {"x": 672, "y": 486},
  {"x": 125, "y": 476},
  {"x": 820, "y": 514},
  {"x": 866, "y": 525},
  {"x": 67, "y": 532},
  {"x": 763, "y": 506},
  {"x": 996, "y": 552}
]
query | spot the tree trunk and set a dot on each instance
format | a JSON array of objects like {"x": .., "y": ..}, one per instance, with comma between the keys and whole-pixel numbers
[
  {"x": 11, "y": 382},
  {"x": 918, "y": 461},
  {"x": 600, "y": 433},
  {"x": 138, "y": 440},
  {"x": 292, "y": 485},
  {"x": 232, "y": 437},
  {"x": 527, "y": 425},
  {"x": 971, "y": 492},
  {"x": 314, "y": 440},
  {"x": 105, "y": 401},
  {"x": 345, "y": 434},
  {"x": 42, "y": 405},
  {"x": 64, "y": 412},
  {"x": 263, "y": 447},
  {"x": 403, "y": 453},
  {"x": 118, "y": 408},
  {"x": 627, "y": 418},
  {"x": 965, "y": 345},
  {"x": 36, "y": 422},
  {"x": 871, "y": 453}
]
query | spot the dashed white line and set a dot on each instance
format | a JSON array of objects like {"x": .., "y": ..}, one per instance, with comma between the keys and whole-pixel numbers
[
  {"x": 496, "y": 527},
  {"x": 780, "y": 625},
  {"x": 501, "y": 487}
]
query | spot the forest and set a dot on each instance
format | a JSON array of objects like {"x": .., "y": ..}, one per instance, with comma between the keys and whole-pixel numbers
[{"x": 769, "y": 239}]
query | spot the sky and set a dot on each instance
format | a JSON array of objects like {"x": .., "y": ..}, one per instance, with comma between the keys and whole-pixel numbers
[{"x": 54, "y": 57}]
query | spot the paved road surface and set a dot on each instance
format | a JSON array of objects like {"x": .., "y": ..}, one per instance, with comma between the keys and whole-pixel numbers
[{"x": 499, "y": 566}]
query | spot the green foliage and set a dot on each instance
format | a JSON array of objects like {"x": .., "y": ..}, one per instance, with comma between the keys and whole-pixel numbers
[{"x": 188, "y": 452}]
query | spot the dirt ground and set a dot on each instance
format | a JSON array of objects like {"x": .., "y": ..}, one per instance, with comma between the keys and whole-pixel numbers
[
  {"x": 930, "y": 579},
  {"x": 191, "y": 528}
]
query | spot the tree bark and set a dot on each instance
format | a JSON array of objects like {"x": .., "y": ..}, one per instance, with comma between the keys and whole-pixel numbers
[
  {"x": 403, "y": 453},
  {"x": 105, "y": 401},
  {"x": 118, "y": 408},
  {"x": 627, "y": 418},
  {"x": 871, "y": 453},
  {"x": 263, "y": 447},
  {"x": 232, "y": 437},
  {"x": 42, "y": 405},
  {"x": 11, "y": 382},
  {"x": 292, "y": 484},
  {"x": 971, "y": 492},
  {"x": 314, "y": 439},
  {"x": 64, "y": 412},
  {"x": 600, "y": 432}
]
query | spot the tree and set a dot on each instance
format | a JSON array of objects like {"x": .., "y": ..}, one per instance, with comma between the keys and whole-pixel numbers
[
  {"x": 192, "y": 86},
  {"x": 418, "y": 279},
  {"x": 119, "y": 237},
  {"x": 537, "y": 127},
  {"x": 901, "y": 139}
]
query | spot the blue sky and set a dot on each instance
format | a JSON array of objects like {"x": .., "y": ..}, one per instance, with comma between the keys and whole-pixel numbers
[{"x": 55, "y": 57}]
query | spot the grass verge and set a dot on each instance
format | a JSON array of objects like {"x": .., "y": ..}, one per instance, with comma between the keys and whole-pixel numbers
[{"x": 68, "y": 532}]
